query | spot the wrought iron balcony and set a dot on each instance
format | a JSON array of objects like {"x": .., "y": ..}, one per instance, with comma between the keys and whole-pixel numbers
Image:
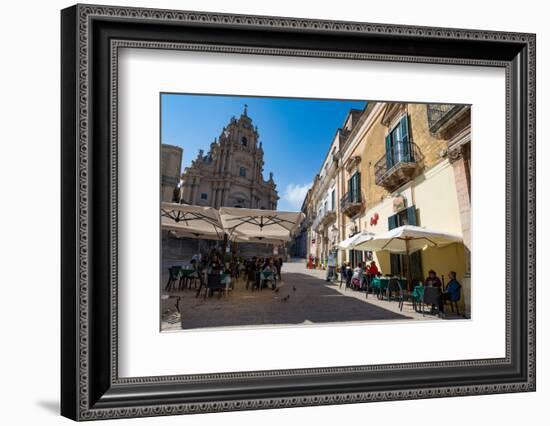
[
  {"x": 328, "y": 217},
  {"x": 351, "y": 203},
  {"x": 324, "y": 218},
  {"x": 441, "y": 114},
  {"x": 398, "y": 166}
]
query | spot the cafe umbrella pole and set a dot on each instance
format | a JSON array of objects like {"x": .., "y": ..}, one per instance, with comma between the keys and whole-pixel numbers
[{"x": 409, "y": 283}]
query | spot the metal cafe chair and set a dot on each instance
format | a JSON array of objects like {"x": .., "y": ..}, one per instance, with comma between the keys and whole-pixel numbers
[
  {"x": 173, "y": 272},
  {"x": 394, "y": 287},
  {"x": 214, "y": 283},
  {"x": 454, "y": 303}
]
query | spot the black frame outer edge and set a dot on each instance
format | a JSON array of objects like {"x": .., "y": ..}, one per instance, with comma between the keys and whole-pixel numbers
[{"x": 105, "y": 395}]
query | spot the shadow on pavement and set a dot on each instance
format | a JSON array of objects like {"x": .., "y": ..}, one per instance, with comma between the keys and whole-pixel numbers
[{"x": 313, "y": 302}]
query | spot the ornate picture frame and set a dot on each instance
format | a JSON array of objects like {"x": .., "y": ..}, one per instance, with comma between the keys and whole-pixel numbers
[{"x": 91, "y": 387}]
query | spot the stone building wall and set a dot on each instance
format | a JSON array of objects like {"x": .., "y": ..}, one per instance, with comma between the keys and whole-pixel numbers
[
  {"x": 231, "y": 172},
  {"x": 170, "y": 170}
]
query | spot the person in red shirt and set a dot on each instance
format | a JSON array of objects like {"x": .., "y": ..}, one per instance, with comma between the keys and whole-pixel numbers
[{"x": 372, "y": 269}]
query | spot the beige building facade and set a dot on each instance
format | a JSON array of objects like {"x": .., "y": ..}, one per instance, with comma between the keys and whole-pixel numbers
[
  {"x": 170, "y": 171},
  {"x": 231, "y": 172},
  {"x": 405, "y": 164}
]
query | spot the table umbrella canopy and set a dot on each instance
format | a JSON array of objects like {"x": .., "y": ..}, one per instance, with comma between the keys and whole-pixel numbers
[
  {"x": 184, "y": 233},
  {"x": 240, "y": 238},
  {"x": 195, "y": 221},
  {"x": 351, "y": 242},
  {"x": 264, "y": 224},
  {"x": 407, "y": 239}
]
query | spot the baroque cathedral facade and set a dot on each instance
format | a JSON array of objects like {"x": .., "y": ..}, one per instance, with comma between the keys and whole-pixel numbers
[{"x": 230, "y": 174}]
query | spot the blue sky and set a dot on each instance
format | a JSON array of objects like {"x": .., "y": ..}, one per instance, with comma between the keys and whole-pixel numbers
[{"x": 295, "y": 133}]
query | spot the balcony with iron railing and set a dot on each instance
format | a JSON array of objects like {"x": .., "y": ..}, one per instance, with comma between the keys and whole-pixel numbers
[
  {"x": 325, "y": 217},
  {"x": 440, "y": 115},
  {"x": 351, "y": 203},
  {"x": 398, "y": 166}
]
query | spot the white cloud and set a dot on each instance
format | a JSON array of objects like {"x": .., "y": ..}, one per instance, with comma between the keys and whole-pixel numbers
[{"x": 295, "y": 194}]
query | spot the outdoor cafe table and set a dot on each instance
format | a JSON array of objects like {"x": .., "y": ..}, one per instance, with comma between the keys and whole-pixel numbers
[
  {"x": 381, "y": 284},
  {"x": 186, "y": 273}
]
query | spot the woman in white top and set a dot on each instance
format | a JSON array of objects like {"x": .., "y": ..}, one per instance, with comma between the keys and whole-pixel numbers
[{"x": 357, "y": 276}]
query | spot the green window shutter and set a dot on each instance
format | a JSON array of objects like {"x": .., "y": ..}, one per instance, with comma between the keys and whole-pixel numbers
[
  {"x": 357, "y": 187},
  {"x": 392, "y": 222},
  {"x": 411, "y": 215},
  {"x": 389, "y": 156},
  {"x": 405, "y": 140}
]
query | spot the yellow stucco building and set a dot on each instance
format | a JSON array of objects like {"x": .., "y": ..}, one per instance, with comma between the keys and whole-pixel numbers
[{"x": 408, "y": 164}]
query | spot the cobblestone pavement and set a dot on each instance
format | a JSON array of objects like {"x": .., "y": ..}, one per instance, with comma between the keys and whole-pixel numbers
[{"x": 304, "y": 297}]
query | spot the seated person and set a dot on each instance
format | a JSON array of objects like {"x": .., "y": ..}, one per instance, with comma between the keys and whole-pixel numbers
[
  {"x": 270, "y": 268},
  {"x": 357, "y": 276},
  {"x": 215, "y": 264},
  {"x": 452, "y": 293},
  {"x": 432, "y": 280},
  {"x": 349, "y": 275},
  {"x": 372, "y": 271}
]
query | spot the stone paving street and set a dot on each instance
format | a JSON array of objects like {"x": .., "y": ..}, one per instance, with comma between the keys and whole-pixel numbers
[{"x": 312, "y": 300}]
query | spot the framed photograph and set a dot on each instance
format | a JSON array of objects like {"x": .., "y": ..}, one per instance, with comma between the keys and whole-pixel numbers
[{"x": 265, "y": 212}]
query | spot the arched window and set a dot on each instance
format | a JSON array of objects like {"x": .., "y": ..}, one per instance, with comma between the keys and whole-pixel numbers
[{"x": 244, "y": 141}]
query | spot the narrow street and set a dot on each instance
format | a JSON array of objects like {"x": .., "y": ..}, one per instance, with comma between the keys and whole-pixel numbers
[{"x": 304, "y": 297}]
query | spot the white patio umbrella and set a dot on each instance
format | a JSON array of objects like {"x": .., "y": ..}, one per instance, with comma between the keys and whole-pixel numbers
[
  {"x": 259, "y": 224},
  {"x": 351, "y": 242},
  {"x": 408, "y": 239},
  {"x": 239, "y": 238},
  {"x": 190, "y": 221},
  {"x": 197, "y": 221}
]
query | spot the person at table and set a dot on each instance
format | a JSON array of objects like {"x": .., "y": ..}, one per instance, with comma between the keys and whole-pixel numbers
[
  {"x": 432, "y": 280},
  {"x": 372, "y": 271},
  {"x": 357, "y": 276},
  {"x": 452, "y": 292},
  {"x": 215, "y": 264},
  {"x": 269, "y": 268}
]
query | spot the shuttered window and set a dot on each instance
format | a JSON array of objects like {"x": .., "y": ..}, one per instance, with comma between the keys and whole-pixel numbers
[
  {"x": 398, "y": 146},
  {"x": 354, "y": 188},
  {"x": 398, "y": 262}
]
